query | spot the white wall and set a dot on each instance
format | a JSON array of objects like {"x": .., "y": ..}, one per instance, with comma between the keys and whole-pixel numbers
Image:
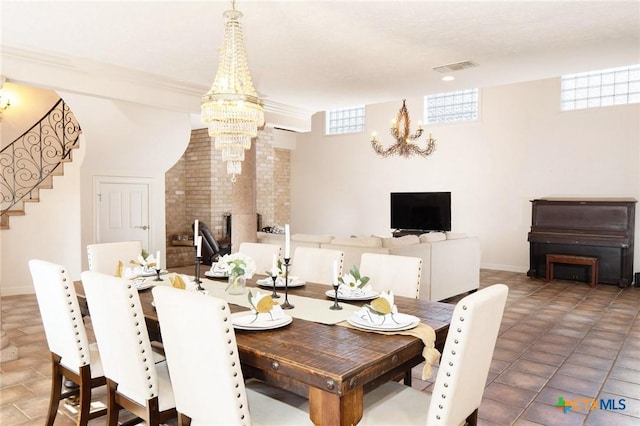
[{"x": 523, "y": 147}]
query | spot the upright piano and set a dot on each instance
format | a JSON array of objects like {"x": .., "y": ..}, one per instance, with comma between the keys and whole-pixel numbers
[{"x": 598, "y": 227}]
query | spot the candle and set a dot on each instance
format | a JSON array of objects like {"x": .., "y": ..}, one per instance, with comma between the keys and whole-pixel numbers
[
  {"x": 158, "y": 259},
  {"x": 196, "y": 231},
  {"x": 335, "y": 272},
  {"x": 374, "y": 135},
  {"x": 287, "y": 242},
  {"x": 199, "y": 246},
  {"x": 274, "y": 265}
]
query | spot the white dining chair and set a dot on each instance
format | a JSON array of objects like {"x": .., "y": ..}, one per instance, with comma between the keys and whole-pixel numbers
[
  {"x": 134, "y": 381},
  {"x": 208, "y": 383},
  {"x": 462, "y": 375},
  {"x": 316, "y": 264},
  {"x": 400, "y": 274},
  {"x": 71, "y": 354},
  {"x": 104, "y": 257},
  {"x": 262, "y": 255}
]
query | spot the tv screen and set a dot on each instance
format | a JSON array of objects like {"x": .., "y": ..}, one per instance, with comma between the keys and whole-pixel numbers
[{"x": 423, "y": 211}]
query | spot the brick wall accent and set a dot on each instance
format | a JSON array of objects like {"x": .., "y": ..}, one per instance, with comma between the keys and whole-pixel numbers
[{"x": 198, "y": 187}]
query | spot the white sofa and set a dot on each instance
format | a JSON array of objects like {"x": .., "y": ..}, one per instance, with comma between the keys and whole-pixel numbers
[{"x": 450, "y": 262}]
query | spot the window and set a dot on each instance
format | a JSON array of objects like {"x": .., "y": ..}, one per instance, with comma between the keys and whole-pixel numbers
[
  {"x": 614, "y": 86},
  {"x": 451, "y": 106},
  {"x": 345, "y": 120}
]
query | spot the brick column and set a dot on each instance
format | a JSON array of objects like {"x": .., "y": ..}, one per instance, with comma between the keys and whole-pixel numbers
[{"x": 243, "y": 202}]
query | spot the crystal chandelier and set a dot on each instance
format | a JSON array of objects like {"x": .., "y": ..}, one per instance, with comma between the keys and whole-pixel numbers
[
  {"x": 401, "y": 132},
  {"x": 232, "y": 109}
]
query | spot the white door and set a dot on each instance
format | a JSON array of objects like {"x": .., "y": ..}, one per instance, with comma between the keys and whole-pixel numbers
[{"x": 122, "y": 208}]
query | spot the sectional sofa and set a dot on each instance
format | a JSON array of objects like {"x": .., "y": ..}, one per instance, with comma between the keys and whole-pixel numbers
[{"x": 450, "y": 261}]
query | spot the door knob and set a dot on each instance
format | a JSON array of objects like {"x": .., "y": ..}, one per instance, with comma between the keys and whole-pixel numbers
[{"x": 143, "y": 227}]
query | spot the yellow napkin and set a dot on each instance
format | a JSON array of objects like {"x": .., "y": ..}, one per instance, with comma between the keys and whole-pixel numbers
[
  {"x": 177, "y": 282},
  {"x": 119, "y": 269}
]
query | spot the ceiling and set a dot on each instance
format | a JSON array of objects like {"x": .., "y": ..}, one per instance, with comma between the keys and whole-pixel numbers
[{"x": 315, "y": 55}]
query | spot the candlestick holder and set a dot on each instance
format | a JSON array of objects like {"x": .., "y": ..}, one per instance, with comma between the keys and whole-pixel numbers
[
  {"x": 158, "y": 270},
  {"x": 286, "y": 304},
  {"x": 335, "y": 306},
  {"x": 274, "y": 295},
  {"x": 197, "y": 280}
]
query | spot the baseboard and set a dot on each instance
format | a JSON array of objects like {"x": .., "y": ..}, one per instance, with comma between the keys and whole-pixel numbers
[
  {"x": 507, "y": 268},
  {"x": 16, "y": 291}
]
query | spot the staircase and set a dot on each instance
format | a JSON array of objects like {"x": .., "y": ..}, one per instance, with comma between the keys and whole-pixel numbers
[{"x": 29, "y": 163}]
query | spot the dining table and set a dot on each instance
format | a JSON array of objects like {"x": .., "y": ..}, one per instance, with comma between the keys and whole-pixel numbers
[{"x": 331, "y": 364}]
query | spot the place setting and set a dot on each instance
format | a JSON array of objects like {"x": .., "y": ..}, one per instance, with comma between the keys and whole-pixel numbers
[
  {"x": 265, "y": 314},
  {"x": 382, "y": 315},
  {"x": 352, "y": 287}
]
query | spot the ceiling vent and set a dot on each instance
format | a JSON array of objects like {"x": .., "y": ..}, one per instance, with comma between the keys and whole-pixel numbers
[{"x": 456, "y": 66}]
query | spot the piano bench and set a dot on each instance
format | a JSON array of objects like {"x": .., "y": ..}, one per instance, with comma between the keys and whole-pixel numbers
[{"x": 573, "y": 260}]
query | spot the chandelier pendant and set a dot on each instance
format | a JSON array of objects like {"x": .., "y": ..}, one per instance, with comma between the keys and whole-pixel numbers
[
  {"x": 401, "y": 132},
  {"x": 231, "y": 109}
]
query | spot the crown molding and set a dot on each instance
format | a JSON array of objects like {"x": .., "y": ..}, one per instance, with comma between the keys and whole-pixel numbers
[{"x": 79, "y": 75}]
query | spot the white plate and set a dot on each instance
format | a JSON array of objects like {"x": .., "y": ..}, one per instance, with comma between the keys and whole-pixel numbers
[
  {"x": 368, "y": 296},
  {"x": 215, "y": 274},
  {"x": 404, "y": 322},
  {"x": 293, "y": 282},
  {"x": 143, "y": 285},
  {"x": 242, "y": 321},
  {"x": 151, "y": 273}
]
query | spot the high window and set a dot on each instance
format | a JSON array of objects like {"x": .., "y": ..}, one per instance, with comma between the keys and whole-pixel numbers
[
  {"x": 449, "y": 107},
  {"x": 614, "y": 86},
  {"x": 345, "y": 120}
]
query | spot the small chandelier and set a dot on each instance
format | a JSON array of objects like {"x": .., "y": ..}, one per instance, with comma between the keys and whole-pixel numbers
[
  {"x": 232, "y": 109},
  {"x": 401, "y": 132}
]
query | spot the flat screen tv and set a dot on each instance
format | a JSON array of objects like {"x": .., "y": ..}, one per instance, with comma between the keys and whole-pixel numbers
[{"x": 423, "y": 211}]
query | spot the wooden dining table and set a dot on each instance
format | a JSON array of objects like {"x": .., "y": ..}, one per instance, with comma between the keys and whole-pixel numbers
[{"x": 331, "y": 365}]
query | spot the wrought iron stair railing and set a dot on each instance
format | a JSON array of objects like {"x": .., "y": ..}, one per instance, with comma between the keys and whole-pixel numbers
[{"x": 30, "y": 162}]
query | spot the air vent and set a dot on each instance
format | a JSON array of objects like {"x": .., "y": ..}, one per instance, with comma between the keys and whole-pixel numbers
[{"x": 456, "y": 66}]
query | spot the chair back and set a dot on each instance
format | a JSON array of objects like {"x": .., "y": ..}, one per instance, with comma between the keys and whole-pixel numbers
[
  {"x": 316, "y": 264},
  {"x": 467, "y": 354},
  {"x": 208, "y": 384},
  {"x": 262, "y": 255},
  {"x": 60, "y": 311},
  {"x": 121, "y": 333},
  {"x": 400, "y": 274},
  {"x": 104, "y": 257}
]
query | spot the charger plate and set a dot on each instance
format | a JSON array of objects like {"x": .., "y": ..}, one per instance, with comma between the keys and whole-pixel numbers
[
  {"x": 369, "y": 296},
  {"x": 404, "y": 322},
  {"x": 244, "y": 321}
]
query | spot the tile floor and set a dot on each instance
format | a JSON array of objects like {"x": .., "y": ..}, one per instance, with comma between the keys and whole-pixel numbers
[{"x": 559, "y": 339}]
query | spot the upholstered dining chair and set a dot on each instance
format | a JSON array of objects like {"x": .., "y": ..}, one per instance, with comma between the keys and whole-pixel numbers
[
  {"x": 71, "y": 354},
  {"x": 210, "y": 389},
  {"x": 462, "y": 374},
  {"x": 400, "y": 274},
  {"x": 316, "y": 264},
  {"x": 134, "y": 381},
  {"x": 261, "y": 253},
  {"x": 104, "y": 257}
]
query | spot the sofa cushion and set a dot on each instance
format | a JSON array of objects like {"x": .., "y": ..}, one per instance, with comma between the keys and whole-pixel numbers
[
  {"x": 358, "y": 242},
  {"x": 312, "y": 238},
  {"x": 432, "y": 237},
  {"x": 405, "y": 240}
]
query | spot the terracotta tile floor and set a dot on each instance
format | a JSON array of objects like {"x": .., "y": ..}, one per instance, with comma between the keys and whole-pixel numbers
[{"x": 559, "y": 339}]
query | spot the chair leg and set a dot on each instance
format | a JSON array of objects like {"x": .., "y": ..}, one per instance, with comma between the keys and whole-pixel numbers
[
  {"x": 85, "y": 395},
  {"x": 56, "y": 389},
  {"x": 113, "y": 408},
  {"x": 183, "y": 420}
]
